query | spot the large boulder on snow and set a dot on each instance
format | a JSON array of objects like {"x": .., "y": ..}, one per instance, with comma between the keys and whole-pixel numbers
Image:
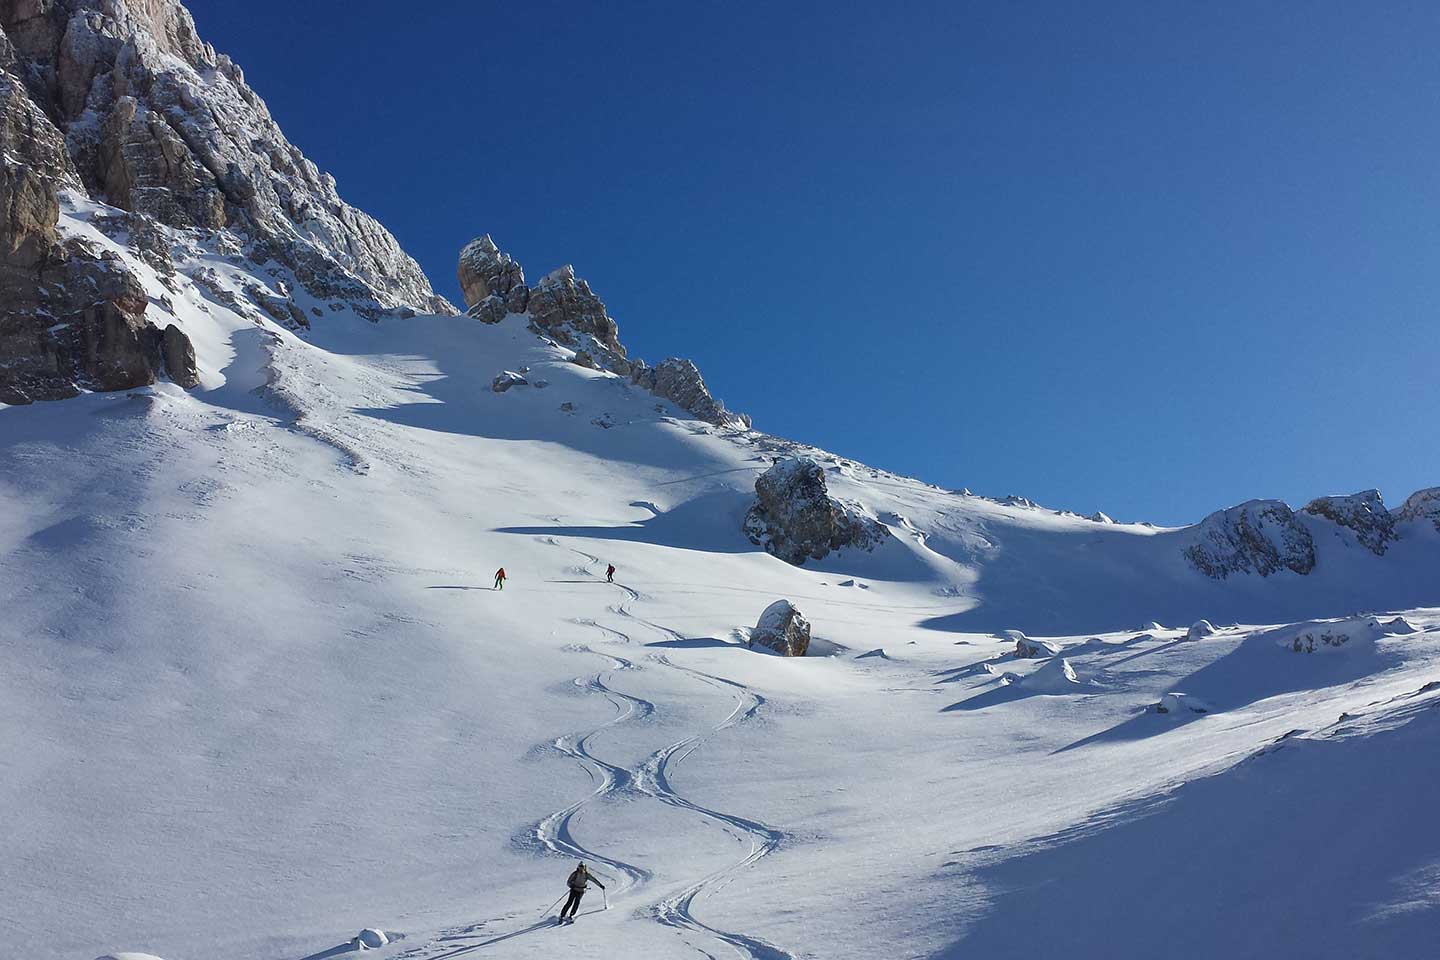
[
  {"x": 1363, "y": 513},
  {"x": 1422, "y": 505},
  {"x": 484, "y": 273},
  {"x": 506, "y": 379},
  {"x": 1259, "y": 536},
  {"x": 795, "y": 518},
  {"x": 783, "y": 629}
]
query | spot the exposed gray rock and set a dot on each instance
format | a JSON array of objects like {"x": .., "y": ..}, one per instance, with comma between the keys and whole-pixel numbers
[
  {"x": 1364, "y": 513},
  {"x": 280, "y": 308},
  {"x": 486, "y": 272},
  {"x": 679, "y": 381},
  {"x": 1259, "y": 536},
  {"x": 490, "y": 310},
  {"x": 567, "y": 309},
  {"x": 179, "y": 354},
  {"x": 1027, "y": 648},
  {"x": 795, "y": 519},
  {"x": 151, "y": 120},
  {"x": 507, "y": 379},
  {"x": 582, "y": 358},
  {"x": 783, "y": 629},
  {"x": 1421, "y": 505}
]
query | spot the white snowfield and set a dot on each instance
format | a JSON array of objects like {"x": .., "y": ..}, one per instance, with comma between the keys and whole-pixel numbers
[{"x": 257, "y": 693}]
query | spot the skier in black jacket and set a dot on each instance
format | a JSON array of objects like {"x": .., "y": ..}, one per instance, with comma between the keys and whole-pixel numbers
[{"x": 578, "y": 878}]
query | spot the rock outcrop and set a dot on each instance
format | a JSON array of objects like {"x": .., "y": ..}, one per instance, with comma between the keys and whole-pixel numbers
[
  {"x": 795, "y": 519},
  {"x": 1421, "y": 506},
  {"x": 679, "y": 381},
  {"x": 74, "y": 318},
  {"x": 152, "y": 120},
  {"x": 783, "y": 629},
  {"x": 1363, "y": 513},
  {"x": 563, "y": 308},
  {"x": 1259, "y": 536}
]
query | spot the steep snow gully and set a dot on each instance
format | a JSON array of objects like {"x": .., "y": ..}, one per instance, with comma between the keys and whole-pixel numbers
[{"x": 648, "y": 780}]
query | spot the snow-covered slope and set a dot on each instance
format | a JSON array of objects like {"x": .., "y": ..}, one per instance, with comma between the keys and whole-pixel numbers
[{"x": 256, "y": 691}]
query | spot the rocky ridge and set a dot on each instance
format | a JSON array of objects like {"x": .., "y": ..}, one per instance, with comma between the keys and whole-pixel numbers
[{"x": 563, "y": 308}]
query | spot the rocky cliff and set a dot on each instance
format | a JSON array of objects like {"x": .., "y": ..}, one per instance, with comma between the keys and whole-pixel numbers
[{"x": 119, "y": 101}]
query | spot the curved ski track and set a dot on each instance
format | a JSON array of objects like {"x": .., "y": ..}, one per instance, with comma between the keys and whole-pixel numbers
[{"x": 650, "y": 778}]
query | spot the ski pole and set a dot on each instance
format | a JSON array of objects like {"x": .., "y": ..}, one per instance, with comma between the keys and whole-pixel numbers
[
  {"x": 552, "y": 906},
  {"x": 605, "y": 894}
]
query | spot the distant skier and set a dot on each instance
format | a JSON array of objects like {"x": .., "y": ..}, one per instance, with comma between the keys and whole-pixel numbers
[
  {"x": 578, "y": 878},
  {"x": 500, "y": 579},
  {"x": 610, "y": 573}
]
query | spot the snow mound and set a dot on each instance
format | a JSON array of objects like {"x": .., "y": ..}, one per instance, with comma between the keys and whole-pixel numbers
[
  {"x": 1056, "y": 675},
  {"x": 877, "y": 652},
  {"x": 1152, "y": 627},
  {"x": 1200, "y": 629},
  {"x": 1053, "y": 677},
  {"x": 128, "y": 956},
  {"x": 1181, "y": 703}
]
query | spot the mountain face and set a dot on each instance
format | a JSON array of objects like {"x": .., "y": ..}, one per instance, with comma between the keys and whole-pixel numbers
[
  {"x": 120, "y": 101},
  {"x": 256, "y": 689}
]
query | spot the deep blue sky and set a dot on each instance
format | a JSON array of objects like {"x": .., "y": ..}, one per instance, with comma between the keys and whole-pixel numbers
[{"x": 1154, "y": 258}]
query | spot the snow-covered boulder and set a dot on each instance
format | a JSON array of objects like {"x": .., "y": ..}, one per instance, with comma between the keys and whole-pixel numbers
[
  {"x": 783, "y": 629},
  {"x": 506, "y": 379},
  {"x": 371, "y": 938},
  {"x": 1153, "y": 626},
  {"x": 795, "y": 518},
  {"x": 486, "y": 272},
  {"x": 1363, "y": 513},
  {"x": 1259, "y": 536},
  {"x": 1181, "y": 703},
  {"x": 1422, "y": 505},
  {"x": 1200, "y": 629},
  {"x": 1027, "y": 648},
  {"x": 128, "y": 956},
  {"x": 1331, "y": 636},
  {"x": 1101, "y": 517}
]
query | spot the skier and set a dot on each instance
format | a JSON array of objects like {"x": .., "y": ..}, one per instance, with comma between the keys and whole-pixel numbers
[
  {"x": 500, "y": 579},
  {"x": 610, "y": 573},
  {"x": 578, "y": 878}
]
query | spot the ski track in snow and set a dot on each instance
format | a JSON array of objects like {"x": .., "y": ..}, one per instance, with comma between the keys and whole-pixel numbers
[{"x": 650, "y": 779}]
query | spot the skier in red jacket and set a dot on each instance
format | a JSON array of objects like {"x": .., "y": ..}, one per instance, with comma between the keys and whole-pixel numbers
[
  {"x": 500, "y": 579},
  {"x": 610, "y": 573}
]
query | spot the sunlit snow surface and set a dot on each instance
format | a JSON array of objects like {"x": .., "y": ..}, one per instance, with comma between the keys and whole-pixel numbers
[{"x": 256, "y": 691}]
